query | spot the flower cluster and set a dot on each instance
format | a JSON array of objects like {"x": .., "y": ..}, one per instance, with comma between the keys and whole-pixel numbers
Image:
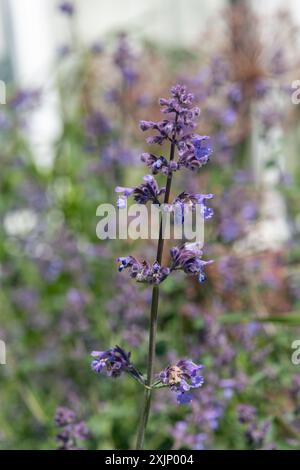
[
  {"x": 188, "y": 258},
  {"x": 147, "y": 191},
  {"x": 143, "y": 271},
  {"x": 71, "y": 430},
  {"x": 255, "y": 433},
  {"x": 113, "y": 362},
  {"x": 191, "y": 200},
  {"x": 124, "y": 59},
  {"x": 181, "y": 378}
]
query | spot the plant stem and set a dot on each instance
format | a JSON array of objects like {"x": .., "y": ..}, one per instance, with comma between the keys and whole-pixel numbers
[{"x": 153, "y": 316}]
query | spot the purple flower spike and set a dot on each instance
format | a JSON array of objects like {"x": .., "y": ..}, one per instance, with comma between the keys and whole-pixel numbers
[
  {"x": 113, "y": 362},
  {"x": 181, "y": 378}
]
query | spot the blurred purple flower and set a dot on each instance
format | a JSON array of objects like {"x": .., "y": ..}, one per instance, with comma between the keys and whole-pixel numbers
[{"x": 67, "y": 8}]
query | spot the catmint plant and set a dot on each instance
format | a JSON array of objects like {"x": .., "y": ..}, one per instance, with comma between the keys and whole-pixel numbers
[{"x": 190, "y": 151}]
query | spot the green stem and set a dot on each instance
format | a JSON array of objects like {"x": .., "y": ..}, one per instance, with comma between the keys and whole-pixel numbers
[{"x": 153, "y": 317}]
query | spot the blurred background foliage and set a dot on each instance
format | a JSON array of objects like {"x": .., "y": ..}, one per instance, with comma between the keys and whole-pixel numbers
[{"x": 61, "y": 295}]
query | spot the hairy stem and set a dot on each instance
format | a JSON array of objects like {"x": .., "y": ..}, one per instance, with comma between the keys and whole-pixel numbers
[{"x": 153, "y": 317}]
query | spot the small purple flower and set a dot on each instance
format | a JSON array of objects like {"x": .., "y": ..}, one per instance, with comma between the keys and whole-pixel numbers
[
  {"x": 143, "y": 271},
  {"x": 64, "y": 416},
  {"x": 67, "y": 8},
  {"x": 156, "y": 164},
  {"x": 246, "y": 413},
  {"x": 235, "y": 93},
  {"x": 71, "y": 430},
  {"x": 147, "y": 191},
  {"x": 124, "y": 58},
  {"x": 195, "y": 151},
  {"x": 114, "y": 361},
  {"x": 96, "y": 124},
  {"x": 192, "y": 200},
  {"x": 256, "y": 434},
  {"x": 187, "y": 257},
  {"x": 181, "y": 378},
  {"x": 25, "y": 100}
]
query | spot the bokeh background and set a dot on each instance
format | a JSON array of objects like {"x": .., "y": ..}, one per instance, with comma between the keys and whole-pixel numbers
[{"x": 76, "y": 87}]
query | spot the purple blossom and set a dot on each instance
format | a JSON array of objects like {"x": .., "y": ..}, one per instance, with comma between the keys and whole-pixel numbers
[
  {"x": 183, "y": 117},
  {"x": 192, "y": 200},
  {"x": 67, "y": 8},
  {"x": 147, "y": 191},
  {"x": 181, "y": 378},
  {"x": 96, "y": 124},
  {"x": 64, "y": 416},
  {"x": 187, "y": 257},
  {"x": 114, "y": 361},
  {"x": 25, "y": 100},
  {"x": 71, "y": 430},
  {"x": 156, "y": 164},
  {"x": 235, "y": 93},
  {"x": 256, "y": 434},
  {"x": 124, "y": 59},
  {"x": 194, "y": 151},
  {"x": 143, "y": 271},
  {"x": 246, "y": 413}
]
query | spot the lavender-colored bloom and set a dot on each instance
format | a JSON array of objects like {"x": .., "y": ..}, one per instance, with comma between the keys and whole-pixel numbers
[
  {"x": 157, "y": 164},
  {"x": 256, "y": 434},
  {"x": 261, "y": 87},
  {"x": 187, "y": 257},
  {"x": 147, "y": 191},
  {"x": 246, "y": 413},
  {"x": 64, "y": 416},
  {"x": 25, "y": 100},
  {"x": 71, "y": 430},
  {"x": 181, "y": 378},
  {"x": 4, "y": 122},
  {"x": 97, "y": 124},
  {"x": 67, "y": 8},
  {"x": 278, "y": 63},
  {"x": 183, "y": 117},
  {"x": 194, "y": 151},
  {"x": 228, "y": 116},
  {"x": 191, "y": 200},
  {"x": 113, "y": 362},
  {"x": 114, "y": 153},
  {"x": 235, "y": 93},
  {"x": 124, "y": 59},
  {"x": 143, "y": 271}
]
